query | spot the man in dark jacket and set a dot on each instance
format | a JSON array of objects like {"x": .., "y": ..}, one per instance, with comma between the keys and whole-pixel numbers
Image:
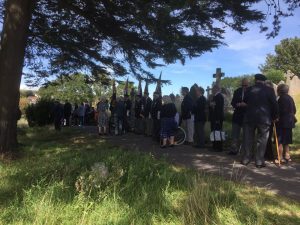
[
  {"x": 67, "y": 112},
  {"x": 58, "y": 114},
  {"x": 186, "y": 114},
  {"x": 200, "y": 118},
  {"x": 155, "y": 115},
  {"x": 239, "y": 107},
  {"x": 147, "y": 102},
  {"x": 139, "y": 107},
  {"x": 261, "y": 111}
]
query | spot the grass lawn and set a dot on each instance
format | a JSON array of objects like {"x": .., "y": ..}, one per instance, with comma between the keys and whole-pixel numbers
[{"x": 75, "y": 178}]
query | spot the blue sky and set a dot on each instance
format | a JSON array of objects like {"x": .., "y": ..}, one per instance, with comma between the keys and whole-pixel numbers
[{"x": 242, "y": 55}]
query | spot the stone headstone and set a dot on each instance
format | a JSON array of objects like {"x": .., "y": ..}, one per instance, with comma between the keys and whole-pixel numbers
[{"x": 293, "y": 82}]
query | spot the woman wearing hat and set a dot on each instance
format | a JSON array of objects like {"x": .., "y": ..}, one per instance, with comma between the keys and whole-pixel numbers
[{"x": 286, "y": 122}]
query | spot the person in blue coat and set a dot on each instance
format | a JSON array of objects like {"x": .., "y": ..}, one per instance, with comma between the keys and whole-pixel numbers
[{"x": 261, "y": 112}]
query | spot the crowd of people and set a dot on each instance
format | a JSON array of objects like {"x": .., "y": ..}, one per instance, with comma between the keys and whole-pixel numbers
[{"x": 258, "y": 112}]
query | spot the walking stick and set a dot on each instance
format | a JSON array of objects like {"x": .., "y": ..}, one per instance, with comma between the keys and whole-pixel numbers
[{"x": 276, "y": 141}]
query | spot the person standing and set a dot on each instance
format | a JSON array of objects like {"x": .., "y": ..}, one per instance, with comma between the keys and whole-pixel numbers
[
  {"x": 239, "y": 107},
  {"x": 58, "y": 114},
  {"x": 168, "y": 123},
  {"x": 81, "y": 114},
  {"x": 102, "y": 110},
  {"x": 200, "y": 118},
  {"x": 127, "y": 103},
  {"x": 139, "y": 126},
  {"x": 119, "y": 115},
  {"x": 286, "y": 122},
  {"x": 155, "y": 115},
  {"x": 186, "y": 115},
  {"x": 216, "y": 115},
  {"x": 147, "y": 102},
  {"x": 261, "y": 111},
  {"x": 67, "y": 112}
]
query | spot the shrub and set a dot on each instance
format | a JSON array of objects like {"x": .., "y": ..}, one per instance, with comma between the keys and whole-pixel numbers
[
  {"x": 23, "y": 104},
  {"x": 39, "y": 114}
]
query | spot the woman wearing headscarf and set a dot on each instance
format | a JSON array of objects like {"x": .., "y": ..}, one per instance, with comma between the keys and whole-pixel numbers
[{"x": 286, "y": 122}]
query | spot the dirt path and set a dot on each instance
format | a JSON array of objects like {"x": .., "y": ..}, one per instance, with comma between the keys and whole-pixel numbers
[{"x": 284, "y": 181}]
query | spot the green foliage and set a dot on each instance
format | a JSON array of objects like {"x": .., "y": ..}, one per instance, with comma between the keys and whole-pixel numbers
[
  {"x": 275, "y": 75},
  {"x": 124, "y": 187},
  {"x": 39, "y": 114},
  {"x": 27, "y": 93},
  {"x": 73, "y": 88},
  {"x": 78, "y": 88},
  {"x": 233, "y": 83},
  {"x": 286, "y": 57}
]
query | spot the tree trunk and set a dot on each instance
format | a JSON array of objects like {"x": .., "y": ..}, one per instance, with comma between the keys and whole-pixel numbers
[{"x": 12, "y": 51}]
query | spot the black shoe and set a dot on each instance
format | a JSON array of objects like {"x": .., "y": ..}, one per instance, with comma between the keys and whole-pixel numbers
[
  {"x": 261, "y": 166},
  {"x": 245, "y": 162},
  {"x": 232, "y": 153},
  {"x": 163, "y": 146},
  {"x": 171, "y": 146}
]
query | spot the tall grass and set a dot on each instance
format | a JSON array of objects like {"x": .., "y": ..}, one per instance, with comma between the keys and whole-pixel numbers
[{"x": 76, "y": 178}]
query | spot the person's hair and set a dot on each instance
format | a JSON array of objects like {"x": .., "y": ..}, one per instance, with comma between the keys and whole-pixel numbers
[
  {"x": 172, "y": 96},
  {"x": 185, "y": 89},
  {"x": 201, "y": 89},
  {"x": 282, "y": 89},
  {"x": 166, "y": 99}
]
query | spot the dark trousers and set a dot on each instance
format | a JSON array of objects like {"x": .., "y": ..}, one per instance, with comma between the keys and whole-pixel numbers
[
  {"x": 156, "y": 130},
  {"x": 57, "y": 123},
  {"x": 269, "y": 155},
  {"x": 235, "y": 135},
  {"x": 261, "y": 142},
  {"x": 199, "y": 134}
]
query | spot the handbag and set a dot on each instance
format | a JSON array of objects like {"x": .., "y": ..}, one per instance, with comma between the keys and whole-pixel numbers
[{"x": 217, "y": 135}]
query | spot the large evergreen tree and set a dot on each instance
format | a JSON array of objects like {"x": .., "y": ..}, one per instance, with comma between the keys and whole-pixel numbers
[{"x": 109, "y": 37}]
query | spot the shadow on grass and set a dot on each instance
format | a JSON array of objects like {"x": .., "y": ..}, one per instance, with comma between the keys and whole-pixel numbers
[{"x": 146, "y": 185}]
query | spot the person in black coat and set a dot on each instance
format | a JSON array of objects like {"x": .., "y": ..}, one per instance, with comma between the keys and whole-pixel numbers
[
  {"x": 155, "y": 115},
  {"x": 239, "y": 107},
  {"x": 286, "y": 122},
  {"x": 200, "y": 118},
  {"x": 139, "y": 108},
  {"x": 119, "y": 114},
  {"x": 168, "y": 123},
  {"x": 67, "y": 112},
  {"x": 261, "y": 111},
  {"x": 147, "y": 102},
  {"x": 128, "y": 105},
  {"x": 58, "y": 114},
  {"x": 186, "y": 114},
  {"x": 216, "y": 115}
]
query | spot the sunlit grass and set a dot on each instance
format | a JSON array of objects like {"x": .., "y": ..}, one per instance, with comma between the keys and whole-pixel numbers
[{"x": 39, "y": 188}]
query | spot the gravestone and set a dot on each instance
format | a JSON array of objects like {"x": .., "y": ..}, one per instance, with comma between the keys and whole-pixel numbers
[
  {"x": 218, "y": 75},
  {"x": 293, "y": 82}
]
